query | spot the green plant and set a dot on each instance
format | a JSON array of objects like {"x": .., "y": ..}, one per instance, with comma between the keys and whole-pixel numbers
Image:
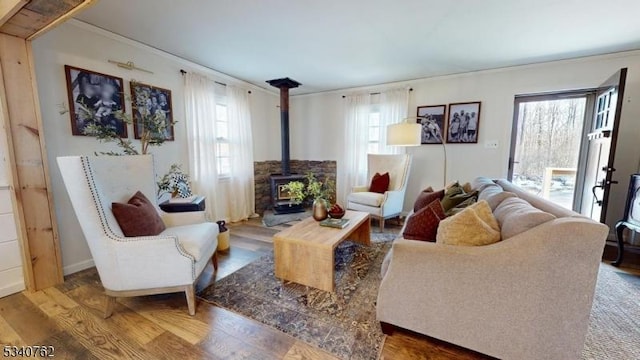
[
  {"x": 313, "y": 189},
  {"x": 175, "y": 182}
]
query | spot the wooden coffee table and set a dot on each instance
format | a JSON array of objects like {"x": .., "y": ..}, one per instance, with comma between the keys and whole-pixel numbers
[{"x": 304, "y": 253}]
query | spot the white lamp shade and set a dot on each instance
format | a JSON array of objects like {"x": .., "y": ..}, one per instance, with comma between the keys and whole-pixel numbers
[{"x": 404, "y": 134}]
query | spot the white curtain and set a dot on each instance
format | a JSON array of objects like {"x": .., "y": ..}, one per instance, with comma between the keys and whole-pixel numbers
[
  {"x": 393, "y": 109},
  {"x": 240, "y": 195},
  {"x": 200, "y": 106},
  {"x": 392, "y": 106},
  {"x": 354, "y": 169}
]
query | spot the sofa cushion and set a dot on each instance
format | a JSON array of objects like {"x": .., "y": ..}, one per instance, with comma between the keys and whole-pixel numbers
[
  {"x": 497, "y": 198},
  {"x": 426, "y": 197},
  {"x": 423, "y": 225},
  {"x": 517, "y": 216},
  {"x": 197, "y": 239},
  {"x": 489, "y": 190},
  {"x": 473, "y": 226},
  {"x": 463, "y": 205},
  {"x": 454, "y": 196},
  {"x": 480, "y": 182},
  {"x": 380, "y": 183},
  {"x": 138, "y": 217},
  {"x": 366, "y": 198}
]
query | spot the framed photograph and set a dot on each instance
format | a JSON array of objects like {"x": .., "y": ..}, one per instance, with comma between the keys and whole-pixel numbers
[
  {"x": 155, "y": 99},
  {"x": 94, "y": 98},
  {"x": 433, "y": 130},
  {"x": 464, "y": 123}
]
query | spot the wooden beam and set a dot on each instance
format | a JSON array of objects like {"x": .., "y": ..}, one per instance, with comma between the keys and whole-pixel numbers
[
  {"x": 33, "y": 185},
  {"x": 13, "y": 180},
  {"x": 8, "y": 8},
  {"x": 76, "y": 10}
]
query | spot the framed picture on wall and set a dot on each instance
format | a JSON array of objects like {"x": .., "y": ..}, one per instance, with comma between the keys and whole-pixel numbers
[
  {"x": 432, "y": 121},
  {"x": 151, "y": 100},
  {"x": 94, "y": 98},
  {"x": 464, "y": 123}
]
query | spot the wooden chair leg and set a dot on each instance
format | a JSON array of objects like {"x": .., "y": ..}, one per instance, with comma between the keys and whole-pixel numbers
[
  {"x": 214, "y": 260},
  {"x": 111, "y": 304},
  {"x": 381, "y": 220},
  {"x": 191, "y": 299}
]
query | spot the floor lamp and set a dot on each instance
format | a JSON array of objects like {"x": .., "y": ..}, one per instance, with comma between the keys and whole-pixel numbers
[{"x": 406, "y": 133}]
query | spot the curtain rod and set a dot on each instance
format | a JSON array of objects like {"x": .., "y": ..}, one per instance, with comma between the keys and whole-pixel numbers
[
  {"x": 183, "y": 72},
  {"x": 374, "y": 93}
]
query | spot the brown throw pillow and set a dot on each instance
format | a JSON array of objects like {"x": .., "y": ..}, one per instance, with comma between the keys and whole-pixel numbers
[
  {"x": 380, "y": 183},
  {"x": 426, "y": 197},
  {"x": 138, "y": 217},
  {"x": 423, "y": 225}
]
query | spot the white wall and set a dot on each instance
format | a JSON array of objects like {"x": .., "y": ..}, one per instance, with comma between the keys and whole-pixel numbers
[
  {"x": 81, "y": 45},
  {"x": 316, "y": 116}
]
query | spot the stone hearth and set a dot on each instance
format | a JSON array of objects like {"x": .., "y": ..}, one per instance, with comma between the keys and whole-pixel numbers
[{"x": 263, "y": 169}]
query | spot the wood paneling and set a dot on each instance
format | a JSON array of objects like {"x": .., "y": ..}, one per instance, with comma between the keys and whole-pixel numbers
[
  {"x": 8, "y": 8},
  {"x": 36, "y": 16},
  {"x": 30, "y": 170}
]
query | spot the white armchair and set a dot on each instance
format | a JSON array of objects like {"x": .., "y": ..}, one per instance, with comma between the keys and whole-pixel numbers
[
  {"x": 135, "y": 266},
  {"x": 389, "y": 204}
]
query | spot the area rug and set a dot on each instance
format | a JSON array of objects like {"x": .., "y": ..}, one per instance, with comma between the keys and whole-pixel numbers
[
  {"x": 342, "y": 323},
  {"x": 270, "y": 219},
  {"x": 614, "y": 326}
]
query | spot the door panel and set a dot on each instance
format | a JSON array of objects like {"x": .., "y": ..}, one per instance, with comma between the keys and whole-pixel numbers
[{"x": 601, "y": 147}]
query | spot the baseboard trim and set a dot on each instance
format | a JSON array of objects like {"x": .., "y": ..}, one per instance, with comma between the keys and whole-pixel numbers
[
  {"x": 11, "y": 289},
  {"x": 74, "y": 268}
]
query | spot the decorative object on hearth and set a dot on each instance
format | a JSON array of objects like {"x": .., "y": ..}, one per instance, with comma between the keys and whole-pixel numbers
[
  {"x": 152, "y": 112},
  {"x": 176, "y": 182},
  {"x": 631, "y": 218},
  {"x": 432, "y": 120},
  {"x": 95, "y": 99},
  {"x": 464, "y": 123},
  {"x": 311, "y": 188}
]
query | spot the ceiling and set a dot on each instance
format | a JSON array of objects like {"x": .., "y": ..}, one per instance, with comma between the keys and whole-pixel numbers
[{"x": 335, "y": 44}]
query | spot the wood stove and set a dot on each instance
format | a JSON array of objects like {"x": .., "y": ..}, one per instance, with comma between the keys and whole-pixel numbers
[{"x": 280, "y": 199}]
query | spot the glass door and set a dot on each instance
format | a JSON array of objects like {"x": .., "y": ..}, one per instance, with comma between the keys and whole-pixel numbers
[{"x": 546, "y": 145}]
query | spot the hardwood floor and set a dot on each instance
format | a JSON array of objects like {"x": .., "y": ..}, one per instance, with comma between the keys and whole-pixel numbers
[{"x": 69, "y": 317}]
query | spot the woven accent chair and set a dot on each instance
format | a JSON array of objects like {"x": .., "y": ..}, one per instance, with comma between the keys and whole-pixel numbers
[
  {"x": 387, "y": 205},
  {"x": 134, "y": 266}
]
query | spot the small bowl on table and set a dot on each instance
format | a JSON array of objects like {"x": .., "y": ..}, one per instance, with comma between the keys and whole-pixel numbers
[{"x": 337, "y": 215}]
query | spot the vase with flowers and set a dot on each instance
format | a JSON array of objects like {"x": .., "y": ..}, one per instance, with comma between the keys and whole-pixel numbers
[{"x": 319, "y": 192}]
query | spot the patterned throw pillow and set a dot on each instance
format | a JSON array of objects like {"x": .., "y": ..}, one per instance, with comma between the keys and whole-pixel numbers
[
  {"x": 380, "y": 183},
  {"x": 423, "y": 225},
  {"x": 138, "y": 217},
  {"x": 426, "y": 197}
]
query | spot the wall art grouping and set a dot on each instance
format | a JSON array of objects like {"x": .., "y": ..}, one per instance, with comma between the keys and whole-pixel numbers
[
  {"x": 461, "y": 126},
  {"x": 96, "y": 98}
]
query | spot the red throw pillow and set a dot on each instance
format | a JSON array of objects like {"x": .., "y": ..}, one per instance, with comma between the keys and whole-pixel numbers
[
  {"x": 426, "y": 197},
  {"x": 423, "y": 225},
  {"x": 380, "y": 183},
  {"x": 138, "y": 217}
]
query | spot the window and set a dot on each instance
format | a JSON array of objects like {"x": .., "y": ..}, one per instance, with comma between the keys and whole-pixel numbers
[
  {"x": 374, "y": 130},
  {"x": 223, "y": 155}
]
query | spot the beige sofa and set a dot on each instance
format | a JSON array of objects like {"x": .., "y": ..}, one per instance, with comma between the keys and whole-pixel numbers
[{"x": 526, "y": 297}]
